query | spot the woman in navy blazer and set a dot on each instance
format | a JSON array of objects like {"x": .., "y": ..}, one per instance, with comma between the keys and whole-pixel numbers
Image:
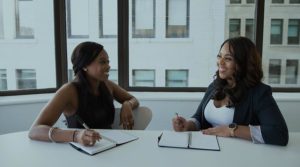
[{"x": 237, "y": 103}]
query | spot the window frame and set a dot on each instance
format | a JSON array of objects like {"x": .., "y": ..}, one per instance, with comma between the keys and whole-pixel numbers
[{"x": 123, "y": 52}]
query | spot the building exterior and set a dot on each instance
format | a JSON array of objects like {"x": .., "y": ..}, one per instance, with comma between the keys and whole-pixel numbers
[{"x": 172, "y": 43}]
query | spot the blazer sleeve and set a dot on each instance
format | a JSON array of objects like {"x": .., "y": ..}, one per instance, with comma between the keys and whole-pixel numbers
[{"x": 273, "y": 126}]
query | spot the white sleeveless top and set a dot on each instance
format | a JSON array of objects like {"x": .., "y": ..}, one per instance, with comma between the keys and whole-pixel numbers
[{"x": 218, "y": 116}]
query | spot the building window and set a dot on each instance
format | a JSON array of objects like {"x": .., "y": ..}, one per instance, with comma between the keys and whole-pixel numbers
[
  {"x": 276, "y": 31},
  {"x": 113, "y": 75},
  {"x": 294, "y": 31},
  {"x": 26, "y": 78},
  {"x": 3, "y": 79},
  {"x": 274, "y": 71},
  {"x": 291, "y": 73},
  {"x": 235, "y": 1},
  {"x": 294, "y": 1},
  {"x": 108, "y": 19},
  {"x": 250, "y": 1},
  {"x": 143, "y": 78},
  {"x": 77, "y": 18},
  {"x": 234, "y": 27},
  {"x": 250, "y": 29},
  {"x": 24, "y": 19},
  {"x": 177, "y": 78},
  {"x": 277, "y": 1},
  {"x": 143, "y": 18},
  {"x": 177, "y": 18}
]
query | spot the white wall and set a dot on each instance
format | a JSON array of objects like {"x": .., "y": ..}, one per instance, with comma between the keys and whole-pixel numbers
[{"x": 18, "y": 113}]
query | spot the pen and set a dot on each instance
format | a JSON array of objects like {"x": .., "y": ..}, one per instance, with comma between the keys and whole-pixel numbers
[
  {"x": 81, "y": 122},
  {"x": 176, "y": 115}
]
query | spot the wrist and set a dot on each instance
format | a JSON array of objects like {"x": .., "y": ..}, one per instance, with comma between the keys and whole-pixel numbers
[{"x": 232, "y": 128}]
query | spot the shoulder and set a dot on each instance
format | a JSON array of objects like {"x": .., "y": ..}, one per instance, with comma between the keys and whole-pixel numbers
[
  {"x": 67, "y": 90},
  {"x": 261, "y": 88},
  {"x": 111, "y": 86}
]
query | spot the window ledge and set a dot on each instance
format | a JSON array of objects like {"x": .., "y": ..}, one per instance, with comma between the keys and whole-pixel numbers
[{"x": 142, "y": 96}]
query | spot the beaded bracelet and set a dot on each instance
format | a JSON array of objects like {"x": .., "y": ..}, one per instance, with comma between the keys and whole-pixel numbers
[{"x": 50, "y": 133}]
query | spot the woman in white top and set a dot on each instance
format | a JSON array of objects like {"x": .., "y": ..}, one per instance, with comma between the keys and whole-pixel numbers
[{"x": 237, "y": 103}]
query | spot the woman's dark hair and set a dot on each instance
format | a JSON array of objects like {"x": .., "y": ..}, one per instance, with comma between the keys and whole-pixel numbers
[
  {"x": 248, "y": 72},
  {"x": 83, "y": 55}
]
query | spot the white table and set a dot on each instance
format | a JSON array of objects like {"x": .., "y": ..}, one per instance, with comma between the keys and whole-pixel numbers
[{"x": 16, "y": 149}]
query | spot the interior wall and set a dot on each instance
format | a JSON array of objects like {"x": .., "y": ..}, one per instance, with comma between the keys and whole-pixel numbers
[{"x": 19, "y": 117}]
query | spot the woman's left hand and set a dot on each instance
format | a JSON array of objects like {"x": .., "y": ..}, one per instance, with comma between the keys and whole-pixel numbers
[
  {"x": 126, "y": 116},
  {"x": 223, "y": 131}
]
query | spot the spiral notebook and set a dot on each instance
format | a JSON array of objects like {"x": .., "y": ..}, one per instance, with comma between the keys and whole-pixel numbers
[{"x": 110, "y": 139}]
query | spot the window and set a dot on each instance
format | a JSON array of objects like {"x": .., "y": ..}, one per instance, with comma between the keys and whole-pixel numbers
[
  {"x": 1, "y": 20},
  {"x": 144, "y": 78},
  {"x": 3, "y": 79},
  {"x": 250, "y": 29},
  {"x": 277, "y": 1},
  {"x": 177, "y": 18},
  {"x": 291, "y": 72},
  {"x": 274, "y": 71},
  {"x": 108, "y": 18},
  {"x": 235, "y": 1},
  {"x": 234, "y": 27},
  {"x": 276, "y": 31},
  {"x": 143, "y": 18},
  {"x": 294, "y": 31},
  {"x": 78, "y": 19},
  {"x": 26, "y": 78},
  {"x": 250, "y": 1},
  {"x": 113, "y": 75},
  {"x": 70, "y": 75},
  {"x": 25, "y": 18},
  {"x": 177, "y": 78},
  {"x": 294, "y": 1}
]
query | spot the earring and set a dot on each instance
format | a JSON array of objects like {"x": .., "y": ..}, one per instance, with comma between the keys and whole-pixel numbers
[{"x": 85, "y": 69}]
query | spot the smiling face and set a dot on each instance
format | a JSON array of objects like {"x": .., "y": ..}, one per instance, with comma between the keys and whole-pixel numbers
[
  {"x": 99, "y": 68},
  {"x": 226, "y": 63}
]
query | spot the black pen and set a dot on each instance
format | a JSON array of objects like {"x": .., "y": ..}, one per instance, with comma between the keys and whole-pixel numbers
[{"x": 81, "y": 122}]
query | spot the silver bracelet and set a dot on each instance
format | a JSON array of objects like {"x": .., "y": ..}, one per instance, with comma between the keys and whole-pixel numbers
[{"x": 50, "y": 133}]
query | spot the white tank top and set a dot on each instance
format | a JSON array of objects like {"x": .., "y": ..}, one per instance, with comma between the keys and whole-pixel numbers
[{"x": 218, "y": 116}]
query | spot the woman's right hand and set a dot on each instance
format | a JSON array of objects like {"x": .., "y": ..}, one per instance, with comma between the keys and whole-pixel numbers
[
  {"x": 87, "y": 137},
  {"x": 179, "y": 124}
]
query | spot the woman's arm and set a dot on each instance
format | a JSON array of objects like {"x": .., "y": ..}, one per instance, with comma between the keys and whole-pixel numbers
[
  {"x": 128, "y": 102},
  {"x": 49, "y": 115}
]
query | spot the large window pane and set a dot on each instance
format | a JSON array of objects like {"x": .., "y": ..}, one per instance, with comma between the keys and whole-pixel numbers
[
  {"x": 1, "y": 19},
  {"x": 25, "y": 18},
  {"x": 98, "y": 23},
  {"x": 113, "y": 75},
  {"x": 177, "y": 18},
  {"x": 281, "y": 61},
  {"x": 28, "y": 38},
  {"x": 143, "y": 10},
  {"x": 78, "y": 19},
  {"x": 108, "y": 19}
]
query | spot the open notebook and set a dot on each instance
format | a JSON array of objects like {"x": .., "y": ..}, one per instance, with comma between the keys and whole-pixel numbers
[
  {"x": 110, "y": 139},
  {"x": 189, "y": 140}
]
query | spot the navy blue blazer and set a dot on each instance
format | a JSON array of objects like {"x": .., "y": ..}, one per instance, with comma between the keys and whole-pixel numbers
[{"x": 258, "y": 107}]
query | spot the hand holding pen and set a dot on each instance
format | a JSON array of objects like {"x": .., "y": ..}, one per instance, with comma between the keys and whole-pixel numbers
[
  {"x": 87, "y": 137},
  {"x": 179, "y": 123}
]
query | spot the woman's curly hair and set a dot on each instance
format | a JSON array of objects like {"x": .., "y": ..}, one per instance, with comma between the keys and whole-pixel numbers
[{"x": 248, "y": 72}]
